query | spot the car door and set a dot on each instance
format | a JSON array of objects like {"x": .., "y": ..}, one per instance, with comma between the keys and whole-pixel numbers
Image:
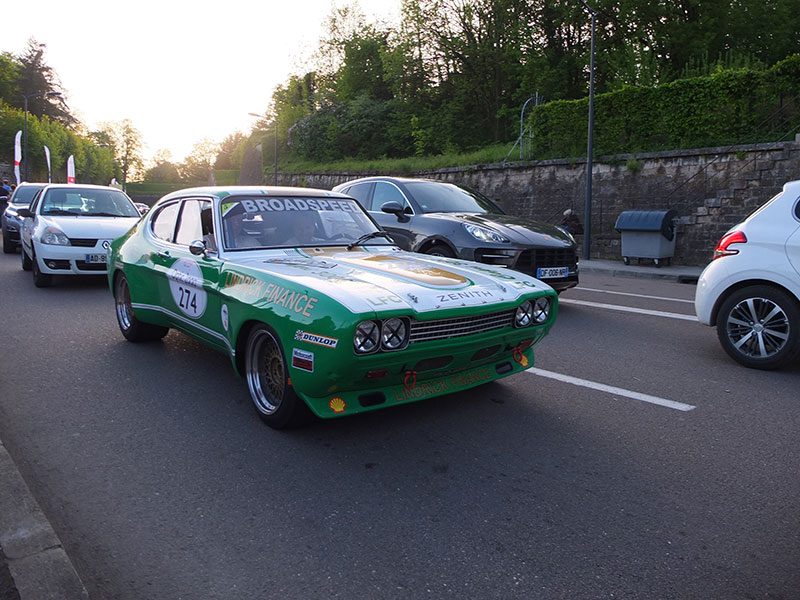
[
  {"x": 28, "y": 224},
  {"x": 793, "y": 243},
  {"x": 401, "y": 232},
  {"x": 193, "y": 280}
]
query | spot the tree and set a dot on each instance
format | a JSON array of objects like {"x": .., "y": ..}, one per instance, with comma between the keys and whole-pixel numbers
[
  {"x": 36, "y": 80},
  {"x": 126, "y": 143},
  {"x": 197, "y": 166}
]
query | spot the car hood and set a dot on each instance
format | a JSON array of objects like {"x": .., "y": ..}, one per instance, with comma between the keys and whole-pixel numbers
[
  {"x": 518, "y": 230},
  {"x": 370, "y": 279},
  {"x": 91, "y": 227}
]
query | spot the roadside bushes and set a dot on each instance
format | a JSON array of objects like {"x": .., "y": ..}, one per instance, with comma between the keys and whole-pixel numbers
[{"x": 729, "y": 107}]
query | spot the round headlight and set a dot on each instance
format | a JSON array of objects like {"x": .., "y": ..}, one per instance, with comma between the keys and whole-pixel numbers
[
  {"x": 367, "y": 337},
  {"x": 394, "y": 334},
  {"x": 541, "y": 309},
  {"x": 524, "y": 314}
]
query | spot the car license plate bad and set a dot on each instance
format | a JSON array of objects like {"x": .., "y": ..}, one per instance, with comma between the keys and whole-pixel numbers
[
  {"x": 96, "y": 258},
  {"x": 551, "y": 272}
]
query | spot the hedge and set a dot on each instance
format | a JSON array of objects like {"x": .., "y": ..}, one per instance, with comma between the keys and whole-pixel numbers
[{"x": 729, "y": 107}]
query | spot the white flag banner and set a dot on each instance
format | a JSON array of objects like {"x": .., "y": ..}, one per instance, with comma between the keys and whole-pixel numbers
[
  {"x": 17, "y": 154},
  {"x": 71, "y": 169},
  {"x": 47, "y": 157}
]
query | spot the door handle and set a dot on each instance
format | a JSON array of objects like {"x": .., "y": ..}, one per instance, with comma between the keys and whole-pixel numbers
[{"x": 163, "y": 254}]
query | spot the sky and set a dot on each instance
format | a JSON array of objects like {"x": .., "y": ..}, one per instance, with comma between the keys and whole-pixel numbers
[{"x": 180, "y": 71}]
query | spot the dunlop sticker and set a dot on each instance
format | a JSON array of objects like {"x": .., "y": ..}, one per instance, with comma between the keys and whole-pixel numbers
[{"x": 313, "y": 338}]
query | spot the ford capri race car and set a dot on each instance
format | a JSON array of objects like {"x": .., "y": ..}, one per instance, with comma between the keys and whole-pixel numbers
[{"x": 315, "y": 305}]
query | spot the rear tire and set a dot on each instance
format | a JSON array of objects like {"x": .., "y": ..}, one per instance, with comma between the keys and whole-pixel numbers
[
  {"x": 27, "y": 265},
  {"x": 40, "y": 280},
  {"x": 267, "y": 376},
  {"x": 759, "y": 327},
  {"x": 132, "y": 328},
  {"x": 440, "y": 250}
]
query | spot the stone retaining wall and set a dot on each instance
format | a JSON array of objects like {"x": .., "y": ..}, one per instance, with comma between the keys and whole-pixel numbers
[{"x": 712, "y": 189}]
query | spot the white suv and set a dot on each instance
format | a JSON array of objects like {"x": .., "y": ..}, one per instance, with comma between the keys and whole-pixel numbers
[{"x": 751, "y": 290}]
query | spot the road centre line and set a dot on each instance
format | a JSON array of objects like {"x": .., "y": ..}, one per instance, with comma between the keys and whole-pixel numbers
[
  {"x": 630, "y": 309},
  {"x": 634, "y": 295},
  {"x": 612, "y": 390}
]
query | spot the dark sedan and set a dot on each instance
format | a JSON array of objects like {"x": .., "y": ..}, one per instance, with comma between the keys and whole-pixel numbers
[
  {"x": 10, "y": 221},
  {"x": 443, "y": 219}
]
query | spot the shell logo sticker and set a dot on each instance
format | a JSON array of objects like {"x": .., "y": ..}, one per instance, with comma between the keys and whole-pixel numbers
[{"x": 337, "y": 405}]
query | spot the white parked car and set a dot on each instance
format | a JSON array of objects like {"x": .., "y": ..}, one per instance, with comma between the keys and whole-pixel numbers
[
  {"x": 751, "y": 290},
  {"x": 68, "y": 228}
]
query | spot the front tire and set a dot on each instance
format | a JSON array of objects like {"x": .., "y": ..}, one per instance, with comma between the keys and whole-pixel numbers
[
  {"x": 268, "y": 381},
  {"x": 132, "y": 328},
  {"x": 759, "y": 327},
  {"x": 440, "y": 250},
  {"x": 40, "y": 280},
  {"x": 27, "y": 264}
]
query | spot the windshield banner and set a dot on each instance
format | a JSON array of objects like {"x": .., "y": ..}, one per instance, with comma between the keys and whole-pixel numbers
[{"x": 299, "y": 204}]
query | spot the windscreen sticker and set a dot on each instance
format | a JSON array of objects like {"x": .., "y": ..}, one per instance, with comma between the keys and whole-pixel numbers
[
  {"x": 303, "y": 360},
  {"x": 313, "y": 338},
  {"x": 298, "y": 204},
  {"x": 186, "y": 285},
  {"x": 254, "y": 289}
]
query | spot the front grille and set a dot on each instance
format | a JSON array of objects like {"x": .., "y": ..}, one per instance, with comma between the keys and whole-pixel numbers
[
  {"x": 530, "y": 260},
  {"x": 83, "y": 242},
  {"x": 84, "y": 266},
  {"x": 440, "y": 329}
]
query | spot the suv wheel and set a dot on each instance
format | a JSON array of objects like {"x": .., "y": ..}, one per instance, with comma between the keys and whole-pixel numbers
[{"x": 759, "y": 327}]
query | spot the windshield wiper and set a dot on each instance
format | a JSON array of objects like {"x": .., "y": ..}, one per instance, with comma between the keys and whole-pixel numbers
[
  {"x": 58, "y": 212},
  {"x": 102, "y": 214},
  {"x": 369, "y": 236}
]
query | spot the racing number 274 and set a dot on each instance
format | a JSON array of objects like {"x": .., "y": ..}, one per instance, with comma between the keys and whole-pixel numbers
[{"x": 188, "y": 299}]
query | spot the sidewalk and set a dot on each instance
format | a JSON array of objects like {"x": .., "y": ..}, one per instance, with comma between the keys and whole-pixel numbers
[
  {"x": 33, "y": 564},
  {"x": 616, "y": 268}
]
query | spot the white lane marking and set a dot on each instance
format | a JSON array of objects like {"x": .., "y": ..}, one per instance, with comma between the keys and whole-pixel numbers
[
  {"x": 634, "y": 295},
  {"x": 630, "y": 309},
  {"x": 612, "y": 390}
]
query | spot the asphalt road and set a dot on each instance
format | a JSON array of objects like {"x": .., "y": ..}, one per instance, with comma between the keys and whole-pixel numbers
[{"x": 162, "y": 482}]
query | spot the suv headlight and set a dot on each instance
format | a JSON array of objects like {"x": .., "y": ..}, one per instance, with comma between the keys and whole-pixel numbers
[
  {"x": 54, "y": 237},
  {"x": 483, "y": 234},
  {"x": 367, "y": 337},
  {"x": 394, "y": 334}
]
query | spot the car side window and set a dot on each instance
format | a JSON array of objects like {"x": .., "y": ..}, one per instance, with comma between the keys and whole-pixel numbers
[
  {"x": 797, "y": 209},
  {"x": 163, "y": 223},
  {"x": 207, "y": 225},
  {"x": 35, "y": 202},
  {"x": 387, "y": 192},
  {"x": 189, "y": 227},
  {"x": 360, "y": 192}
]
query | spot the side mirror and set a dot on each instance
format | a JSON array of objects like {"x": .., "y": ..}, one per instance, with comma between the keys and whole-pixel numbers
[
  {"x": 25, "y": 212},
  {"x": 197, "y": 247},
  {"x": 394, "y": 208}
]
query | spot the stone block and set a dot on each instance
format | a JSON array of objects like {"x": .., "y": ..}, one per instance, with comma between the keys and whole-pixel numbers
[
  {"x": 712, "y": 202},
  {"x": 701, "y": 210}
]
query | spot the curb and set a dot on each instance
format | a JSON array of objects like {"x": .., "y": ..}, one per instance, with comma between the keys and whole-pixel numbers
[
  {"x": 690, "y": 275},
  {"x": 38, "y": 564}
]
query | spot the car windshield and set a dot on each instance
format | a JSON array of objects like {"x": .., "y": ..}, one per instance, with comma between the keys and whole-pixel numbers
[
  {"x": 436, "y": 197},
  {"x": 24, "y": 194},
  {"x": 87, "y": 202},
  {"x": 291, "y": 222}
]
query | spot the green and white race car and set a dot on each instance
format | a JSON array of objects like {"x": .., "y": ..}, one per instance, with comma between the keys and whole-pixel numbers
[{"x": 315, "y": 305}]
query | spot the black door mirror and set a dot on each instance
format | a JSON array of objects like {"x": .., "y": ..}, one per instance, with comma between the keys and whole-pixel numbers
[
  {"x": 394, "y": 208},
  {"x": 24, "y": 212}
]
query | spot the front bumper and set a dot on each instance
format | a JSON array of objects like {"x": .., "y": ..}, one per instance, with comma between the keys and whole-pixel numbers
[
  {"x": 418, "y": 387},
  {"x": 530, "y": 260},
  {"x": 68, "y": 260}
]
